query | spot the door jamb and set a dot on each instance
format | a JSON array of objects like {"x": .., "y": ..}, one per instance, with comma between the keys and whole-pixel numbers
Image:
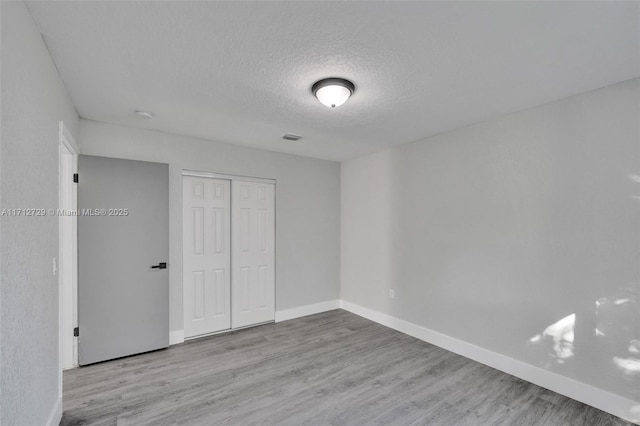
[
  {"x": 225, "y": 176},
  {"x": 68, "y": 152}
]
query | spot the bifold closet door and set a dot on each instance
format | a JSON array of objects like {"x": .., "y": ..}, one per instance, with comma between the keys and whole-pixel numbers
[
  {"x": 206, "y": 255},
  {"x": 253, "y": 253}
]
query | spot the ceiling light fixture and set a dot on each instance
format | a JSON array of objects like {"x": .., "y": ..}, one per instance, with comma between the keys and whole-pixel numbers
[{"x": 333, "y": 92}]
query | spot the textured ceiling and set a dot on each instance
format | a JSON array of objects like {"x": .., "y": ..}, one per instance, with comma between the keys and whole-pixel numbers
[{"x": 241, "y": 72}]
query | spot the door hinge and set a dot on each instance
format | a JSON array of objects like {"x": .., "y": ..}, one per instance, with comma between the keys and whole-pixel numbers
[
  {"x": 76, "y": 332},
  {"x": 75, "y": 177}
]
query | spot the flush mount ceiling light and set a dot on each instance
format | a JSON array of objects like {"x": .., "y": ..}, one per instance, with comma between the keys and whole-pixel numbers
[{"x": 333, "y": 92}]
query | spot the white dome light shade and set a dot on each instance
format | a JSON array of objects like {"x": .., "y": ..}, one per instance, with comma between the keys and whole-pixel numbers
[
  {"x": 333, "y": 92},
  {"x": 333, "y": 96}
]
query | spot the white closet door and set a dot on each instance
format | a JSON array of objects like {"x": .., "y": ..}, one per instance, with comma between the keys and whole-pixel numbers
[
  {"x": 206, "y": 255},
  {"x": 253, "y": 233}
]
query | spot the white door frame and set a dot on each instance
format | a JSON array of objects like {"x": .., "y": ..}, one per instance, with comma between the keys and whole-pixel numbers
[
  {"x": 231, "y": 177},
  {"x": 226, "y": 176},
  {"x": 68, "y": 152}
]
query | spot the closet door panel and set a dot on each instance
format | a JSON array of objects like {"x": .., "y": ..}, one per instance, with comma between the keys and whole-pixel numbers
[
  {"x": 206, "y": 255},
  {"x": 253, "y": 253}
]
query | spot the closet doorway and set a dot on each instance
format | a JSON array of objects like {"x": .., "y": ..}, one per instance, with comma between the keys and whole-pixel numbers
[{"x": 228, "y": 252}]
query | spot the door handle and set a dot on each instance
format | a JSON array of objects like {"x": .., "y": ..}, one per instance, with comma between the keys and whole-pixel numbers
[{"x": 161, "y": 265}]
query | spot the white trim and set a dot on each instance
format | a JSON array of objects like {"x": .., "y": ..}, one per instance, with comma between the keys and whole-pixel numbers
[
  {"x": 67, "y": 250},
  {"x": 65, "y": 137},
  {"x": 67, "y": 260},
  {"x": 56, "y": 413},
  {"x": 213, "y": 333},
  {"x": 303, "y": 311},
  {"x": 598, "y": 398},
  {"x": 196, "y": 173},
  {"x": 176, "y": 337},
  {"x": 226, "y": 331}
]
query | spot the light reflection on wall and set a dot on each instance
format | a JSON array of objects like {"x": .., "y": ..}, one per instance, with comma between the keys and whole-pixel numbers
[
  {"x": 629, "y": 366},
  {"x": 612, "y": 317},
  {"x": 561, "y": 336},
  {"x": 610, "y": 331}
]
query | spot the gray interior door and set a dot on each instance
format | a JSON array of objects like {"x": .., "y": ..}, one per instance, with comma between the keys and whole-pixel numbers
[{"x": 123, "y": 300}]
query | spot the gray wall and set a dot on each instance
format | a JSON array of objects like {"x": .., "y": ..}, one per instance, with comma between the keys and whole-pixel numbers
[
  {"x": 307, "y": 205},
  {"x": 33, "y": 101},
  {"x": 494, "y": 232}
]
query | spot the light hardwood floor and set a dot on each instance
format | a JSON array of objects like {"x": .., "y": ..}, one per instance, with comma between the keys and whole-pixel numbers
[{"x": 331, "y": 368}]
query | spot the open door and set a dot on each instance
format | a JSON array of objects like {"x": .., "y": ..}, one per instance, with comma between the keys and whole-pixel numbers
[{"x": 123, "y": 249}]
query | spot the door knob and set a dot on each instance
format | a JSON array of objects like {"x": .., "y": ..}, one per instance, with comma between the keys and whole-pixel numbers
[{"x": 161, "y": 265}]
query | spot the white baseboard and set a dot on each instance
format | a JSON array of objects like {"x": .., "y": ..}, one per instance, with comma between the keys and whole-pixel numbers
[
  {"x": 176, "y": 337},
  {"x": 303, "y": 311},
  {"x": 598, "y": 398},
  {"x": 56, "y": 413}
]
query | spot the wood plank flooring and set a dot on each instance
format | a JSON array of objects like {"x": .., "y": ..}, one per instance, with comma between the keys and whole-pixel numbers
[{"x": 332, "y": 368}]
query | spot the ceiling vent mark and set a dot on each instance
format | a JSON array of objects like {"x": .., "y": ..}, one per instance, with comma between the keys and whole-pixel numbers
[{"x": 291, "y": 137}]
